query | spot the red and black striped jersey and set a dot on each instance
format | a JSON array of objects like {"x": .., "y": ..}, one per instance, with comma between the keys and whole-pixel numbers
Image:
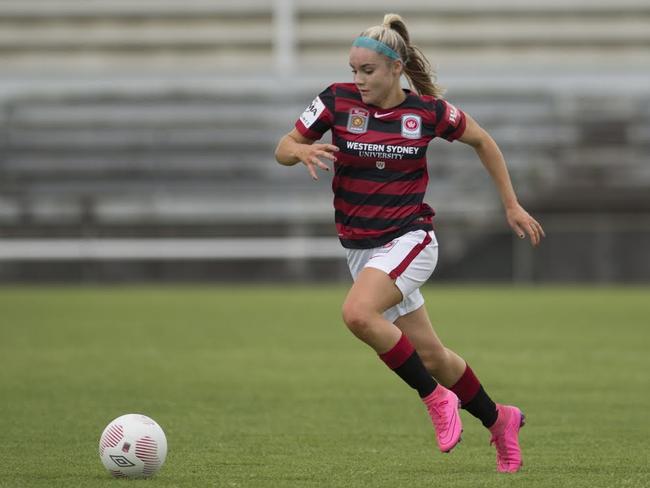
[{"x": 380, "y": 175}]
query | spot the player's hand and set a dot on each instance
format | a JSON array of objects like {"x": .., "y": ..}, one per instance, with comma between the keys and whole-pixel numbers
[
  {"x": 522, "y": 223},
  {"x": 311, "y": 155}
]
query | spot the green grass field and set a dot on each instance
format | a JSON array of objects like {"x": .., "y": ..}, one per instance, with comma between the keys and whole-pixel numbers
[{"x": 264, "y": 386}]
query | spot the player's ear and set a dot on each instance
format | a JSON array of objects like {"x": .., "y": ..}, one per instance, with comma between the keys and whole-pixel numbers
[{"x": 398, "y": 67}]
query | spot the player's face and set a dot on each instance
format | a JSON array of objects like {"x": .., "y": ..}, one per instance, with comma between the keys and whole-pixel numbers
[{"x": 375, "y": 75}]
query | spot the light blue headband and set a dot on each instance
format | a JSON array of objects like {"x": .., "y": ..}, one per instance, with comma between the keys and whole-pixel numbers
[{"x": 375, "y": 45}]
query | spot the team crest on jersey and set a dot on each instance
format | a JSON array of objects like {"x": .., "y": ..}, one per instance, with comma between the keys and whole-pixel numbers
[
  {"x": 358, "y": 121},
  {"x": 411, "y": 126},
  {"x": 380, "y": 164}
]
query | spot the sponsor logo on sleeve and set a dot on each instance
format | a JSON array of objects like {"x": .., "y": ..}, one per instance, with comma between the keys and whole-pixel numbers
[
  {"x": 453, "y": 114},
  {"x": 411, "y": 126},
  {"x": 358, "y": 121},
  {"x": 311, "y": 113}
]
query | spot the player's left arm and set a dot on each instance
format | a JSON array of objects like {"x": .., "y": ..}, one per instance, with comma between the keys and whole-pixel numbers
[{"x": 490, "y": 155}]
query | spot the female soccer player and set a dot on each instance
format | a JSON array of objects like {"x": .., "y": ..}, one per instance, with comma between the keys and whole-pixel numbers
[{"x": 380, "y": 134}]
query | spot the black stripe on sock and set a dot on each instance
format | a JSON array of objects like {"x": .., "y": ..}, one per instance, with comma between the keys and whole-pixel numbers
[
  {"x": 416, "y": 375},
  {"x": 483, "y": 408}
]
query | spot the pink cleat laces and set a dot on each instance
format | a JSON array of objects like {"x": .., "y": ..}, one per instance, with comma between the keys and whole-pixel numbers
[
  {"x": 443, "y": 405},
  {"x": 505, "y": 437}
]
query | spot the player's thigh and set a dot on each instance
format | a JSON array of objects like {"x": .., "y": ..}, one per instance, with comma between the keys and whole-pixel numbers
[
  {"x": 409, "y": 259},
  {"x": 373, "y": 290}
]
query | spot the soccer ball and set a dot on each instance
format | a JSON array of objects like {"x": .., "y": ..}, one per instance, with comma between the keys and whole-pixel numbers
[{"x": 133, "y": 446}]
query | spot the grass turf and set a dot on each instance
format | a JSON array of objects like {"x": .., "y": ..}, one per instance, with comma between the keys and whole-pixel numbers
[{"x": 264, "y": 387}]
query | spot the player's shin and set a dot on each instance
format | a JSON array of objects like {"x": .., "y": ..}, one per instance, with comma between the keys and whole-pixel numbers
[
  {"x": 404, "y": 360},
  {"x": 442, "y": 404},
  {"x": 474, "y": 399}
]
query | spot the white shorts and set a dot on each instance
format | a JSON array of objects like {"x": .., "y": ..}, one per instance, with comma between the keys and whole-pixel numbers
[{"x": 409, "y": 259}]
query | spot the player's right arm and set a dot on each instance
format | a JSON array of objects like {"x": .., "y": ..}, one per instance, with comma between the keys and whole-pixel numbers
[
  {"x": 294, "y": 148},
  {"x": 300, "y": 145}
]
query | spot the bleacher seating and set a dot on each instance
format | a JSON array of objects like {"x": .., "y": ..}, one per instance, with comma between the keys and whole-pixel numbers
[
  {"x": 164, "y": 113},
  {"x": 209, "y": 36}
]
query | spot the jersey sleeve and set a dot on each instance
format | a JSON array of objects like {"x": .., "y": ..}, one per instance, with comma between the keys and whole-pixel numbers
[
  {"x": 318, "y": 117},
  {"x": 450, "y": 121}
]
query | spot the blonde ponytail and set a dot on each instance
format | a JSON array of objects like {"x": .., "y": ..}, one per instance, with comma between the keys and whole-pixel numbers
[{"x": 417, "y": 68}]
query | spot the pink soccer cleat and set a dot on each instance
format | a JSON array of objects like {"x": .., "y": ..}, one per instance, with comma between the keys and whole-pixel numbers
[
  {"x": 443, "y": 405},
  {"x": 505, "y": 437}
]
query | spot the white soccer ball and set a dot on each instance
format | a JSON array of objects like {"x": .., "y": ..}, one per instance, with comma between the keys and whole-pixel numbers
[{"x": 133, "y": 446}]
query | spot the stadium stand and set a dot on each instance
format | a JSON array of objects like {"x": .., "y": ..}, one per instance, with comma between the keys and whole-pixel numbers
[
  {"x": 158, "y": 120},
  {"x": 204, "y": 35}
]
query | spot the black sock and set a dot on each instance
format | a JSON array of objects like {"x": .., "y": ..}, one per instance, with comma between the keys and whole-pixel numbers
[
  {"x": 483, "y": 408},
  {"x": 416, "y": 375},
  {"x": 405, "y": 361},
  {"x": 473, "y": 397}
]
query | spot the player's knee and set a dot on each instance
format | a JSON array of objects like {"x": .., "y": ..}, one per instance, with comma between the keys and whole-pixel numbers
[{"x": 357, "y": 318}]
